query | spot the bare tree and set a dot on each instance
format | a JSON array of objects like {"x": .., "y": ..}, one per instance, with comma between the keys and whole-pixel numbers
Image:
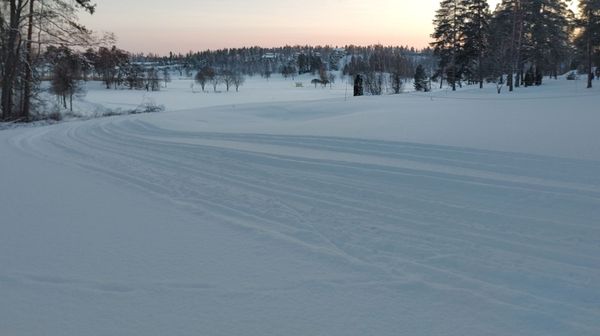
[
  {"x": 134, "y": 76},
  {"x": 65, "y": 74},
  {"x": 323, "y": 76},
  {"x": 166, "y": 76},
  {"x": 109, "y": 63},
  {"x": 238, "y": 80},
  {"x": 152, "y": 80},
  {"x": 11, "y": 56},
  {"x": 288, "y": 70},
  {"x": 227, "y": 76},
  {"x": 55, "y": 22},
  {"x": 374, "y": 82},
  {"x": 331, "y": 78},
  {"x": 204, "y": 75},
  {"x": 216, "y": 80}
]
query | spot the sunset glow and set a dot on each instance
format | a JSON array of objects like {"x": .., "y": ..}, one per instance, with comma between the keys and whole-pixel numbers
[{"x": 183, "y": 25}]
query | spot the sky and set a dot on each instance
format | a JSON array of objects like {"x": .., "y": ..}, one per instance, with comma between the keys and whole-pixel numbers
[{"x": 184, "y": 25}]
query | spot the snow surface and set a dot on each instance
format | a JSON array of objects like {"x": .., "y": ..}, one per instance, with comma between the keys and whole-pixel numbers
[{"x": 294, "y": 211}]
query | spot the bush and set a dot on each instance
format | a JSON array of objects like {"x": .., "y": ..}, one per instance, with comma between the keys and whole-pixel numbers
[{"x": 148, "y": 106}]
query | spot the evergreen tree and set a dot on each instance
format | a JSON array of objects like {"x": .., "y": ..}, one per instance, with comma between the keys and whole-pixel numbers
[
  {"x": 474, "y": 37},
  {"x": 396, "y": 81},
  {"x": 446, "y": 34},
  {"x": 528, "y": 34},
  {"x": 498, "y": 56},
  {"x": 358, "y": 86},
  {"x": 420, "y": 82},
  {"x": 589, "y": 37},
  {"x": 529, "y": 78},
  {"x": 509, "y": 17},
  {"x": 546, "y": 39},
  {"x": 517, "y": 17}
]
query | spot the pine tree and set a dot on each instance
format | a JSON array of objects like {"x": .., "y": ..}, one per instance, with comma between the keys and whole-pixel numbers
[
  {"x": 358, "y": 86},
  {"x": 547, "y": 29},
  {"x": 474, "y": 37},
  {"x": 589, "y": 38},
  {"x": 446, "y": 43},
  {"x": 399, "y": 64},
  {"x": 529, "y": 33},
  {"x": 498, "y": 58},
  {"x": 420, "y": 82}
]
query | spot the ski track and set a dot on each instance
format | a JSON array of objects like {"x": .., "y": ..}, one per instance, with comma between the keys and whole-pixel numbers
[{"x": 519, "y": 231}]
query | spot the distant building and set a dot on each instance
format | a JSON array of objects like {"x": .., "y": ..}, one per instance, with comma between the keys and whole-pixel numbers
[{"x": 270, "y": 56}]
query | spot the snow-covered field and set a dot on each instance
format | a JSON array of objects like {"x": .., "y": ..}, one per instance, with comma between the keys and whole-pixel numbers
[{"x": 294, "y": 211}]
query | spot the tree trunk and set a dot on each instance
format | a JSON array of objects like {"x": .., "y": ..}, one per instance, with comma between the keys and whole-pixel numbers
[
  {"x": 480, "y": 69},
  {"x": 28, "y": 66},
  {"x": 519, "y": 40},
  {"x": 589, "y": 49},
  {"x": 10, "y": 60},
  {"x": 513, "y": 39},
  {"x": 517, "y": 34}
]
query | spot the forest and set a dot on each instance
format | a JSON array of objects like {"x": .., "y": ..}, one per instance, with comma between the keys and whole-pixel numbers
[{"x": 517, "y": 43}]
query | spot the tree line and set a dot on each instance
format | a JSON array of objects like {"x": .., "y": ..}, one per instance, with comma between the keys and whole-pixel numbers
[
  {"x": 517, "y": 43},
  {"x": 228, "y": 77},
  {"x": 287, "y": 60},
  {"x": 112, "y": 66},
  {"x": 385, "y": 68}
]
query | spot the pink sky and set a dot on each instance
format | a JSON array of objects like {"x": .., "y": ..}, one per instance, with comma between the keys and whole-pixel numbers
[{"x": 184, "y": 25}]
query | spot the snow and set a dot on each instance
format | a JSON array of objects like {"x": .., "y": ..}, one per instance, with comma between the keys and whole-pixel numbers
[
  {"x": 182, "y": 94},
  {"x": 283, "y": 210}
]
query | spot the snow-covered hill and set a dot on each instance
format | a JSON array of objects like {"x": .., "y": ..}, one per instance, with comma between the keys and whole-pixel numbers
[{"x": 295, "y": 213}]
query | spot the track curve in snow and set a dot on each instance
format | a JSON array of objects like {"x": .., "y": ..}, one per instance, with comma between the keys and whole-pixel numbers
[{"x": 518, "y": 232}]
